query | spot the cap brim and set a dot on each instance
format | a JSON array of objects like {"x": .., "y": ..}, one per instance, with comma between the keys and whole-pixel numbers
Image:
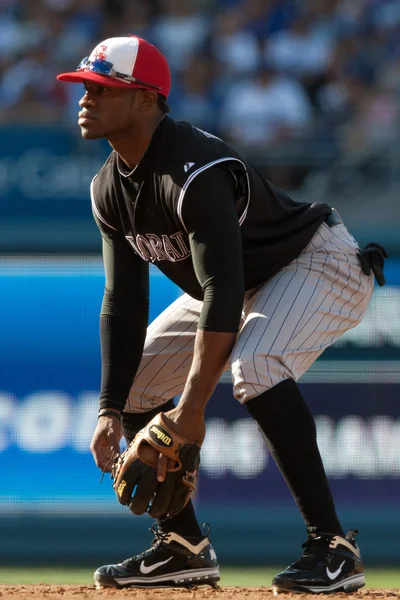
[{"x": 106, "y": 80}]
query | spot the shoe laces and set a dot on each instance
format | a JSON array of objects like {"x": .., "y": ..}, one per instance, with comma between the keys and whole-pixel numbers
[
  {"x": 156, "y": 545},
  {"x": 315, "y": 549},
  {"x": 206, "y": 529},
  {"x": 159, "y": 536}
]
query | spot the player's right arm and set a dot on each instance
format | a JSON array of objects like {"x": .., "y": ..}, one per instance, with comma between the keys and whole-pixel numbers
[{"x": 123, "y": 324}]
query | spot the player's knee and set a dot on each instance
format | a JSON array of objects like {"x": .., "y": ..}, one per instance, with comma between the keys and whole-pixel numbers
[
  {"x": 243, "y": 392},
  {"x": 254, "y": 377},
  {"x": 246, "y": 392}
]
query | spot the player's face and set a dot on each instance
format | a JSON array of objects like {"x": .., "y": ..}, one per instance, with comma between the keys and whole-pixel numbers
[{"x": 106, "y": 111}]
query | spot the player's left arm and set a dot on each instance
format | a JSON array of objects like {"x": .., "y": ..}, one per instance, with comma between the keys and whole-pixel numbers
[{"x": 210, "y": 216}]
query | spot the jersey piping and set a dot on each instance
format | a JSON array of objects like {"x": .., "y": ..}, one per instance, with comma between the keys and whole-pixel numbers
[
  {"x": 125, "y": 174},
  {"x": 95, "y": 209},
  {"x": 204, "y": 168}
]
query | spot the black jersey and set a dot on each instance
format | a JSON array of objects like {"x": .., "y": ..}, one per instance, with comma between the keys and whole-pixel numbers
[
  {"x": 206, "y": 218},
  {"x": 148, "y": 206}
]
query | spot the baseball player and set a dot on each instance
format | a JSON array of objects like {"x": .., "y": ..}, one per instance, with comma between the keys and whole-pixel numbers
[{"x": 268, "y": 284}]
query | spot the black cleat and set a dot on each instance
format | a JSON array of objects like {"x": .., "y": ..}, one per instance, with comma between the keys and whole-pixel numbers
[
  {"x": 329, "y": 563},
  {"x": 171, "y": 561}
]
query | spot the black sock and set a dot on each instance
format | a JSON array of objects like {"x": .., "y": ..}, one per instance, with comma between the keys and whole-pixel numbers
[
  {"x": 290, "y": 433},
  {"x": 184, "y": 523}
]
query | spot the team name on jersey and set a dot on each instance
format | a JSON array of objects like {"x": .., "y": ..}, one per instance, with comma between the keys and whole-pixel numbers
[{"x": 152, "y": 247}]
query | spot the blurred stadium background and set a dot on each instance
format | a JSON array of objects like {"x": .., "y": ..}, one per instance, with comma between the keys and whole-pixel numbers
[{"x": 309, "y": 90}]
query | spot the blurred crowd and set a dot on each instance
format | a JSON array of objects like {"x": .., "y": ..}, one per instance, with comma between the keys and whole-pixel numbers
[{"x": 261, "y": 73}]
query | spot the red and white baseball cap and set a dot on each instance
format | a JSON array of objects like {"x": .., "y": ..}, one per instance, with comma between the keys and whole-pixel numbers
[{"x": 124, "y": 62}]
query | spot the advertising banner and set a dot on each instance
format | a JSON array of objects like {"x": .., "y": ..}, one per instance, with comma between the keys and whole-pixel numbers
[
  {"x": 45, "y": 173},
  {"x": 49, "y": 381}
]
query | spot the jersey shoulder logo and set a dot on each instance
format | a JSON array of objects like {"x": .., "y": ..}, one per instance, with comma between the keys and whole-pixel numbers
[{"x": 188, "y": 166}]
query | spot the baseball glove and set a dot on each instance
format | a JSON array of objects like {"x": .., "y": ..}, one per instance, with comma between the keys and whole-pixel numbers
[{"x": 134, "y": 472}]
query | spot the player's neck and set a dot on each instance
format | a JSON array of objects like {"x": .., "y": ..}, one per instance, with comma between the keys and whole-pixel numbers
[{"x": 131, "y": 144}]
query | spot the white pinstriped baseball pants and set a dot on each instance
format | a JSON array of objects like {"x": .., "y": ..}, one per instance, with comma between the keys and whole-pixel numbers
[{"x": 287, "y": 323}]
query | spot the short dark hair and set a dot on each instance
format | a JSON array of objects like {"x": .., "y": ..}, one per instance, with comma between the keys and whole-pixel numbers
[{"x": 162, "y": 104}]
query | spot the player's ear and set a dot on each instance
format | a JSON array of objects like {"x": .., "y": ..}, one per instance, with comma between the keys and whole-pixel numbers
[{"x": 148, "y": 99}]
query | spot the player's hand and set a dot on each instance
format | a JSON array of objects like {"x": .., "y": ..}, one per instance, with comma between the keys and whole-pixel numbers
[
  {"x": 187, "y": 424},
  {"x": 372, "y": 259},
  {"x": 105, "y": 441}
]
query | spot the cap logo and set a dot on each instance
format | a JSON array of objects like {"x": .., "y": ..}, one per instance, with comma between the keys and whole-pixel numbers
[{"x": 100, "y": 52}]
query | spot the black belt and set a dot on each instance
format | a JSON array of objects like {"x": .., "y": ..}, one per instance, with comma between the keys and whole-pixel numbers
[{"x": 333, "y": 218}]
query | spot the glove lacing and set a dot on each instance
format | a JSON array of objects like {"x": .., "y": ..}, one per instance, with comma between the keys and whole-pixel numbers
[{"x": 114, "y": 460}]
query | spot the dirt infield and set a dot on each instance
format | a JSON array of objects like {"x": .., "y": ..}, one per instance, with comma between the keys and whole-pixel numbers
[{"x": 83, "y": 592}]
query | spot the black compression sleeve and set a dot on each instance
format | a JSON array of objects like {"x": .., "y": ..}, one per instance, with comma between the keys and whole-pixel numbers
[
  {"x": 210, "y": 216},
  {"x": 123, "y": 319},
  {"x": 121, "y": 351}
]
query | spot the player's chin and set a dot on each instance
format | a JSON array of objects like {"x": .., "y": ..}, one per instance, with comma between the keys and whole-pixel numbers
[{"x": 90, "y": 133}]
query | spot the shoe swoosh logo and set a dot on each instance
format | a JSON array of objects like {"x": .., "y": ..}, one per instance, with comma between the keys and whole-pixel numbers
[
  {"x": 145, "y": 570},
  {"x": 335, "y": 573}
]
